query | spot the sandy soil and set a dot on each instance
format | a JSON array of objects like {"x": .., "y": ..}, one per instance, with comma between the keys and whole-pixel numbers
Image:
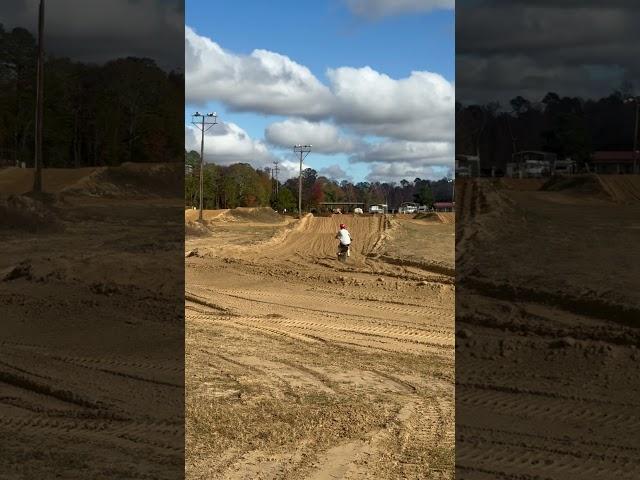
[
  {"x": 91, "y": 344},
  {"x": 301, "y": 367},
  {"x": 547, "y": 312}
]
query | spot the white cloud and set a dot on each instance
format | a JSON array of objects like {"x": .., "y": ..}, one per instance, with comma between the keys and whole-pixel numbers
[
  {"x": 396, "y": 172},
  {"x": 373, "y": 9},
  {"x": 416, "y": 153},
  {"x": 334, "y": 172},
  {"x": 414, "y": 116},
  {"x": 227, "y": 143},
  {"x": 325, "y": 137},
  {"x": 397, "y": 160},
  {"x": 417, "y": 108},
  {"x": 264, "y": 82},
  {"x": 291, "y": 169}
]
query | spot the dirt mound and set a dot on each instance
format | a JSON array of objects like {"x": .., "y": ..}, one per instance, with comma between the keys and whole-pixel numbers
[
  {"x": 130, "y": 180},
  {"x": 18, "y": 181},
  {"x": 19, "y": 212},
  {"x": 192, "y": 215},
  {"x": 521, "y": 184},
  {"x": 428, "y": 217},
  {"x": 621, "y": 188},
  {"x": 438, "y": 217},
  {"x": 578, "y": 184},
  {"x": 248, "y": 214}
]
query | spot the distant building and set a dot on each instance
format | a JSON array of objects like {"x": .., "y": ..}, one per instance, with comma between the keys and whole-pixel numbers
[
  {"x": 467, "y": 166},
  {"x": 444, "y": 206},
  {"x": 613, "y": 162},
  {"x": 531, "y": 164},
  {"x": 564, "y": 167},
  {"x": 188, "y": 169}
]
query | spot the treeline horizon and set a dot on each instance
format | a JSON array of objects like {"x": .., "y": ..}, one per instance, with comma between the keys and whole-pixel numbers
[
  {"x": 571, "y": 127},
  {"x": 241, "y": 185},
  {"x": 125, "y": 110}
]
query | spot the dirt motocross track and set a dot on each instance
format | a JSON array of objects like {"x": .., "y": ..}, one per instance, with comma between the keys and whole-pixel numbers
[
  {"x": 547, "y": 317},
  {"x": 301, "y": 367},
  {"x": 91, "y": 337}
]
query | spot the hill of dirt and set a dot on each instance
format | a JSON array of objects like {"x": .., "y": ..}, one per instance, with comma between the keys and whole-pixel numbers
[
  {"x": 577, "y": 184},
  {"x": 130, "y": 180},
  {"x": 621, "y": 188},
  {"x": 248, "y": 214},
  {"x": 215, "y": 220},
  {"x": 18, "y": 181},
  {"x": 126, "y": 180},
  {"x": 438, "y": 217},
  {"x": 23, "y": 213},
  {"x": 521, "y": 184}
]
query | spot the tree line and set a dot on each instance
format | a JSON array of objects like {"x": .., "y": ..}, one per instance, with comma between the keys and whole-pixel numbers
[
  {"x": 570, "y": 127},
  {"x": 127, "y": 109},
  {"x": 241, "y": 185}
]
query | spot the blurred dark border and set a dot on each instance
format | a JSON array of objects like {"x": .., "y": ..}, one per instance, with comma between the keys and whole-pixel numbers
[
  {"x": 92, "y": 257},
  {"x": 547, "y": 237}
]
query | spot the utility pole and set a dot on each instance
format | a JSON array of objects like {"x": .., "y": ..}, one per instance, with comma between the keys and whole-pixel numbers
[
  {"x": 37, "y": 171},
  {"x": 207, "y": 121},
  {"x": 303, "y": 151},
  {"x": 275, "y": 170},
  {"x": 635, "y": 138}
]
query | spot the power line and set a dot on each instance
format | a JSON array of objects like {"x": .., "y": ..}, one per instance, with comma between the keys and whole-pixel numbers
[{"x": 37, "y": 171}]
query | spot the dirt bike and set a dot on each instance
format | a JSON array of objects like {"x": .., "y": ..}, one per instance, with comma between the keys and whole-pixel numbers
[{"x": 343, "y": 252}]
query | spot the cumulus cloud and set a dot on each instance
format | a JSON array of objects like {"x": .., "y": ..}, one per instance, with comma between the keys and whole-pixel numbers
[
  {"x": 415, "y": 153},
  {"x": 334, "y": 172},
  {"x": 396, "y": 159},
  {"x": 414, "y": 116},
  {"x": 396, "y": 172},
  {"x": 291, "y": 169},
  {"x": 374, "y": 9},
  {"x": 227, "y": 143},
  {"x": 325, "y": 137},
  {"x": 417, "y": 108},
  {"x": 264, "y": 82}
]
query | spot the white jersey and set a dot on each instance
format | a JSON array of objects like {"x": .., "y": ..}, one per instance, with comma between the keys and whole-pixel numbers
[{"x": 344, "y": 236}]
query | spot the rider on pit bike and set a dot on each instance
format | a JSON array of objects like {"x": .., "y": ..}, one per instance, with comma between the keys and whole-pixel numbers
[{"x": 345, "y": 239}]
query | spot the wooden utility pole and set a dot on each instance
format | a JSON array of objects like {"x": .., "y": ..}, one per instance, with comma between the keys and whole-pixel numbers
[
  {"x": 303, "y": 150},
  {"x": 208, "y": 121},
  {"x": 37, "y": 175}
]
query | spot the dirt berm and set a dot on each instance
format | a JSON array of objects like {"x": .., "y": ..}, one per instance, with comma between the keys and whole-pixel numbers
[{"x": 127, "y": 180}]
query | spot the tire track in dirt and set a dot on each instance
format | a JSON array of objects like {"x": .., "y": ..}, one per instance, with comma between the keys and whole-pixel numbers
[{"x": 285, "y": 311}]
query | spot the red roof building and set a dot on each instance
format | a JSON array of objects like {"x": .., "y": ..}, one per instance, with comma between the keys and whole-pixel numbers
[
  {"x": 444, "y": 206},
  {"x": 613, "y": 162}
]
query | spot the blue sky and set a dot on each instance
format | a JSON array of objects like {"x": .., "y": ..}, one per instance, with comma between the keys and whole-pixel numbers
[{"x": 321, "y": 35}]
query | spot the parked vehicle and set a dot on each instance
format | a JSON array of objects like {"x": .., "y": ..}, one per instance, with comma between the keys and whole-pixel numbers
[{"x": 378, "y": 208}]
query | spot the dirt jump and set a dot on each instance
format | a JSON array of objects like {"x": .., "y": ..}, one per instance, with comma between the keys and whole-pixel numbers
[{"x": 302, "y": 367}]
